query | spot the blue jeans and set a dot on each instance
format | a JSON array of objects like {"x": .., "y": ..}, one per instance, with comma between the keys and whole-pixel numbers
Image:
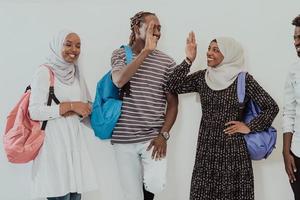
[{"x": 70, "y": 196}]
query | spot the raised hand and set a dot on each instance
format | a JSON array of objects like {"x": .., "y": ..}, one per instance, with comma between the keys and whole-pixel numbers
[
  {"x": 191, "y": 47},
  {"x": 151, "y": 39}
]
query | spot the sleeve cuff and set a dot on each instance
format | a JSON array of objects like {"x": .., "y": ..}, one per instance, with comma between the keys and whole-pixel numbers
[
  {"x": 185, "y": 63},
  {"x": 287, "y": 130},
  {"x": 54, "y": 112}
]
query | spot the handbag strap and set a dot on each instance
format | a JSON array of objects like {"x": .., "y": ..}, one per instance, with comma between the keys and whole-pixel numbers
[
  {"x": 51, "y": 95},
  {"x": 241, "y": 92},
  {"x": 241, "y": 87}
]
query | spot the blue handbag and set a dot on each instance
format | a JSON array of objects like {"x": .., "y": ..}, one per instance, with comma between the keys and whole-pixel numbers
[
  {"x": 260, "y": 144},
  {"x": 107, "y": 104}
]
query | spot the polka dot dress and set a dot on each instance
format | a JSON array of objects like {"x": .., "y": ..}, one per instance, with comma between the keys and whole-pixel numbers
[{"x": 223, "y": 169}]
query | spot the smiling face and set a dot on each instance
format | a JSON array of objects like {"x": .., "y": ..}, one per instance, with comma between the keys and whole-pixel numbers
[
  {"x": 214, "y": 55},
  {"x": 142, "y": 30},
  {"x": 71, "y": 48}
]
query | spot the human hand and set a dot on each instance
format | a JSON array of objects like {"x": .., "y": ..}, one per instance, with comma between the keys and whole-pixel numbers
[
  {"x": 68, "y": 114},
  {"x": 159, "y": 145},
  {"x": 81, "y": 108},
  {"x": 290, "y": 167},
  {"x": 236, "y": 127},
  {"x": 151, "y": 39},
  {"x": 191, "y": 47}
]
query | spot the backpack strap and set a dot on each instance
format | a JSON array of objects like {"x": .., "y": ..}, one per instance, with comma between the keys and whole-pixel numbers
[
  {"x": 51, "y": 80},
  {"x": 51, "y": 95},
  {"x": 128, "y": 53},
  {"x": 125, "y": 90}
]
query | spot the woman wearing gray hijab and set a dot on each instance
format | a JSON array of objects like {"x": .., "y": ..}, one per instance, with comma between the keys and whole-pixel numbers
[
  {"x": 62, "y": 170},
  {"x": 223, "y": 168}
]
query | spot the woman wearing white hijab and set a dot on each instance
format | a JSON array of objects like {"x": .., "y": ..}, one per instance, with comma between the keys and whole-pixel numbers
[
  {"x": 62, "y": 170},
  {"x": 223, "y": 168}
]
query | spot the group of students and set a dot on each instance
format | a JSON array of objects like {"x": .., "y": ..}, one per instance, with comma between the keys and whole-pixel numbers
[{"x": 152, "y": 81}]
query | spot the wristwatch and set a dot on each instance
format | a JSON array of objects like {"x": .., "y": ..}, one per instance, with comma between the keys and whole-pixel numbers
[{"x": 165, "y": 135}]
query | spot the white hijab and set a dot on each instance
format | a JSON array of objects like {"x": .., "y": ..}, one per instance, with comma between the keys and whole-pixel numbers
[
  {"x": 223, "y": 75},
  {"x": 64, "y": 71}
]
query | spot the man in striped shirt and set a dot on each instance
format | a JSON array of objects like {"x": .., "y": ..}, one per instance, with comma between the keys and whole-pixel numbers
[{"x": 148, "y": 112}]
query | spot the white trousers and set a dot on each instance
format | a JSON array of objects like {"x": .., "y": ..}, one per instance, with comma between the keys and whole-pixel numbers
[{"x": 136, "y": 167}]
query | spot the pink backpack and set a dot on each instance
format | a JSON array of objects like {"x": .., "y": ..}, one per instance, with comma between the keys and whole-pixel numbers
[{"x": 24, "y": 137}]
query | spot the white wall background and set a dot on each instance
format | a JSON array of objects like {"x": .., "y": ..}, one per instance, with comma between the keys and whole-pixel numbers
[{"x": 262, "y": 26}]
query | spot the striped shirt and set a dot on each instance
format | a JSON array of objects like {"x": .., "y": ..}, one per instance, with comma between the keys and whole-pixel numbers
[{"x": 143, "y": 111}]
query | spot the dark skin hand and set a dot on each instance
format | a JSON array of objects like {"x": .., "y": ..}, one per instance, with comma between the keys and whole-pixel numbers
[
  {"x": 289, "y": 161},
  {"x": 159, "y": 145},
  {"x": 236, "y": 127}
]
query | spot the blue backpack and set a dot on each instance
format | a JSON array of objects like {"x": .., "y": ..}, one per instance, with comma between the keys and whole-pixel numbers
[
  {"x": 107, "y": 104},
  {"x": 260, "y": 144}
]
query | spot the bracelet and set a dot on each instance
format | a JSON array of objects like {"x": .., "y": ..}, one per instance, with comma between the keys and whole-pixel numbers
[{"x": 188, "y": 60}]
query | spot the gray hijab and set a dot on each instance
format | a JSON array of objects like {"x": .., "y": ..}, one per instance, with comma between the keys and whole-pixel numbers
[
  {"x": 65, "y": 72},
  {"x": 223, "y": 75}
]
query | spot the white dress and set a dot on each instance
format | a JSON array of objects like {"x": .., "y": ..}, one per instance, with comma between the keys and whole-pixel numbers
[{"x": 63, "y": 164}]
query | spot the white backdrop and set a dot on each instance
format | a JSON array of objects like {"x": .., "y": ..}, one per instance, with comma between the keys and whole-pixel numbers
[{"x": 262, "y": 26}]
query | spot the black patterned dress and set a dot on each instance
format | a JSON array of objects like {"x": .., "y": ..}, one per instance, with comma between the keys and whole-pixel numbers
[{"x": 223, "y": 169}]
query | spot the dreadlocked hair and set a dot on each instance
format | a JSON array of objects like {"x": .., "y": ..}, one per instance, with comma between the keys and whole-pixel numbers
[
  {"x": 136, "y": 20},
  {"x": 296, "y": 21}
]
